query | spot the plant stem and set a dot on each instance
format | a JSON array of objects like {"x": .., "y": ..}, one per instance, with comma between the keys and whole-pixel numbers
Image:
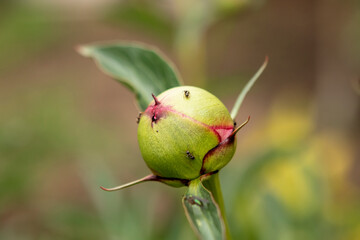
[{"x": 213, "y": 185}]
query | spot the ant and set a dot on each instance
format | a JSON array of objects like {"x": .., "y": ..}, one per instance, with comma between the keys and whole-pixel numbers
[
  {"x": 138, "y": 118},
  {"x": 186, "y": 93},
  {"x": 189, "y": 155}
]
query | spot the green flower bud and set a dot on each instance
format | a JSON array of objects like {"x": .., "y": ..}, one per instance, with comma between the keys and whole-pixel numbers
[{"x": 186, "y": 132}]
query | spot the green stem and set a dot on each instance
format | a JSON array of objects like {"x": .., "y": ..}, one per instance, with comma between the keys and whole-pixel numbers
[{"x": 213, "y": 185}]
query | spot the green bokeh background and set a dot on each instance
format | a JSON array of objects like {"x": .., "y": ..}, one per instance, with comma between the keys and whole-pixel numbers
[{"x": 66, "y": 128}]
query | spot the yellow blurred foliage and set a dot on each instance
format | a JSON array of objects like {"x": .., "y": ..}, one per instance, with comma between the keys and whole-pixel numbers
[
  {"x": 315, "y": 166},
  {"x": 287, "y": 180},
  {"x": 287, "y": 125}
]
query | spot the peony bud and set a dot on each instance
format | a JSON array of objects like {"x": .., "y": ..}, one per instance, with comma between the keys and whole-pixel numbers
[{"x": 186, "y": 132}]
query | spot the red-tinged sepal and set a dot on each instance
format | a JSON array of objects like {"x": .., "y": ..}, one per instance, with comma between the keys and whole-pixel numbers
[{"x": 220, "y": 156}]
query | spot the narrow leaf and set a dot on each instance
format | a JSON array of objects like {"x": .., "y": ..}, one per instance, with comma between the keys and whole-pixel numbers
[
  {"x": 150, "y": 177},
  {"x": 246, "y": 89},
  {"x": 141, "y": 69},
  {"x": 203, "y": 212}
]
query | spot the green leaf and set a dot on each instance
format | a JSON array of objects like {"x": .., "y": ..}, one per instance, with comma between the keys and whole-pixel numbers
[
  {"x": 246, "y": 89},
  {"x": 141, "y": 69},
  {"x": 203, "y": 212}
]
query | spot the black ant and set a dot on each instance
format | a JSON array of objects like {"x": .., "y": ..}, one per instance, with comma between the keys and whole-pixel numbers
[
  {"x": 186, "y": 93},
  {"x": 189, "y": 155},
  {"x": 138, "y": 118}
]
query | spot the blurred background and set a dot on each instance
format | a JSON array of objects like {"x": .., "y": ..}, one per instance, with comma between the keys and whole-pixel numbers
[{"x": 66, "y": 128}]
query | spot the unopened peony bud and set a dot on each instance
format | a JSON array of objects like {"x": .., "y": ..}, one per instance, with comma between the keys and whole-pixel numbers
[{"x": 186, "y": 132}]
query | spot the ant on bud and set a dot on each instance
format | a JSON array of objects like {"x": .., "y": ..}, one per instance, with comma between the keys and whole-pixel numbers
[
  {"x": 189, "y": 155},
  {"x": 186, "y": 93},
  {"x": 138, "y": 118}
]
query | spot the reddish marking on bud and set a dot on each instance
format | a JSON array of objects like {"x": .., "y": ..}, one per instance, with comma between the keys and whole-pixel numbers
[
  {"x": 155, "y": 112},
  {"x": 221, "y": 132},
  {"x": 222, "y": 145},
  {"x": 228, "y": 141},
  {"x": 155, "y": 99},
  {"x": 158, "y": 111}
]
